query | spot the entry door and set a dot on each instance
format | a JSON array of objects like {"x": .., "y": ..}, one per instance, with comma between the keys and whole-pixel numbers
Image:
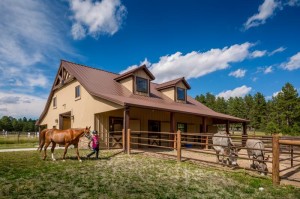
[
  {"x": 66, "y": 123},
  {"x": 154, "y": 126}
]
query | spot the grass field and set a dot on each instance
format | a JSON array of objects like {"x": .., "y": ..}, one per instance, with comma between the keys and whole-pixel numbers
[
  {"x": 12, "y": 141},
  {"x": 25, "y": 175}
]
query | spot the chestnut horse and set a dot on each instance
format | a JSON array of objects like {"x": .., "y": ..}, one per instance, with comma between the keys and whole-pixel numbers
[{"x": 64, "y": 137}]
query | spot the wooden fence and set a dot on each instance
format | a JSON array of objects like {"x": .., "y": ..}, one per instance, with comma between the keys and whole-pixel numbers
[{"x": 195, "y": 146}]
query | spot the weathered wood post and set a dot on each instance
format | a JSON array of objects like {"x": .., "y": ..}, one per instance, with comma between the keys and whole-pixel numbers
[
  {"x": 178, "y": 145},
  {"x": 275, "y": 161},
  {"x": 292, "y": 156},
  {"x": 128, "y": 141},
  {"x": 123, "y": 139}
]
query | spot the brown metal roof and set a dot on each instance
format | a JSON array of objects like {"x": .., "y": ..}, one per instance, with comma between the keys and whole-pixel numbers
[
  {"x": 103, "y": 84},
  {"x": 131, "y": 72},
  {"x": 173, "y": 83}
]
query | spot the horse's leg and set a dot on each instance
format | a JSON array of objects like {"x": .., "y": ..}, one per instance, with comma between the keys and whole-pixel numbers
[
  {"x": 52, "y": 150},
  {"x": 66, "y": 149},
  {"x": 45, "y": 149},
  {"x": 218, "y": 160},
  {"x": 77, "y": 152}
]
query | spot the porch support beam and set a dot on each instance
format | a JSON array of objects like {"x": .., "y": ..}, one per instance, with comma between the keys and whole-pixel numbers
[
  {"x": 227, "y": 126},
  {"x": 172, "y": 129},
  {"x": 204, "y": 130},
  {"x": 244, "y": 139},
  {"x": 126, "y": 124}
]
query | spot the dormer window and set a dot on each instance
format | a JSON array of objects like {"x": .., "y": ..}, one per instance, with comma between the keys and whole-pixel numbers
[
  {"x": 181, "y": 94},
  {"x": 142, "y": 85}
]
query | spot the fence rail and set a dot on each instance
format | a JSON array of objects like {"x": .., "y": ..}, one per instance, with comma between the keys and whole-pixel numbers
[{"x": 279, "y": 149}]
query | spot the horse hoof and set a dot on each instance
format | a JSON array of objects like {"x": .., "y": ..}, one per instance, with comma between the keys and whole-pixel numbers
[
  {"x": 64, "y": 160},
  {"x": 80, "y": 160}
]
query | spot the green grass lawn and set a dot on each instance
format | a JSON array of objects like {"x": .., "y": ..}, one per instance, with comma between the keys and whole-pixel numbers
[{"x": 25, "y": 175}]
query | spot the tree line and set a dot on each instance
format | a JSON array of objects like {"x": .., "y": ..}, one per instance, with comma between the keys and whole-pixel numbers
[
  {"x": 8, "y": 123},
  {"x": 281, "y": 114}
]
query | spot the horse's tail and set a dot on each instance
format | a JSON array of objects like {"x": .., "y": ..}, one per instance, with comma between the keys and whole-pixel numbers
[{"x": 42, "y": 136}]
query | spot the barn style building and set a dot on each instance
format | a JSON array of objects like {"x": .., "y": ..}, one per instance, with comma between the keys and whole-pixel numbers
[{"x": 108, "y": 102}]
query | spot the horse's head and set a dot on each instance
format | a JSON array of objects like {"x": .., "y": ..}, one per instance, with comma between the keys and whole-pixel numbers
[
  {"x": 233, "y": 155},
  {"x": 87, "y": 132}
]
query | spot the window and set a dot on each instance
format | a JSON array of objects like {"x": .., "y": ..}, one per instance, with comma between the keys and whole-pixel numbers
[
  {"x": 77, "y": 91},
  {"x": 141, "y": 85},
  {"x": 182, "y": 127},
  {"x": 54, "y": 102},
  {"x": 180, "y": 94}
]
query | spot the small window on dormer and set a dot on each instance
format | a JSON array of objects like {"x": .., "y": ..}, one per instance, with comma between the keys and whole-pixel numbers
[
  {"x": 180, "y": 94},
  {"x": 54, "y": 102},
  {"x": 141, "y": 85},
  {"x": 77, "y": 91}
]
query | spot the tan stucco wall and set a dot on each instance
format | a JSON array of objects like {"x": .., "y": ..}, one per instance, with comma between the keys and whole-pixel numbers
[
  {"x": 169, "y": 92},
  {"x": 83, "y": 109},
  {"x": 141, "y": 73},
  {"x": 128, "y": 83}
]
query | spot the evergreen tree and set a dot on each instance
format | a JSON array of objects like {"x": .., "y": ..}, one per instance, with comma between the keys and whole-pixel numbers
[
  {"x": 288, "y": 108},
  {"x": 259, "y": 111},
  {"x": 221, "y": 105}
]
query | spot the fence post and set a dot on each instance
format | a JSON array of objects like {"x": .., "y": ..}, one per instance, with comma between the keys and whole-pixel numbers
[
  {"x": 178, "y": 145},
  {"x": 123, "y": 139},
  {"x": 128, "y": 141},
  {"x": 292, "y": 156},
  {"x": 275, "y": 160},
  {"x": 206, "y": 142},
  {"x": 175, "y": 140}
]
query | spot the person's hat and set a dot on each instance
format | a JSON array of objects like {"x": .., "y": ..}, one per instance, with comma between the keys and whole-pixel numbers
[{"x": 94, "y": 132}]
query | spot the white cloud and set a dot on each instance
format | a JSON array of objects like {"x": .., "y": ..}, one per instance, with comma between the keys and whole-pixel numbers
[
  {"x": 278, "y": 50},
  {"x": 20, "y": 105},
  {"x": 258, "y": 53},
  {"x": 276, "y": 93},
  {"x": 238, "y": 73},
  {"x": 145, "y": 62},
  {"x": 293, "y": 63},
  {"x": 237, "y": 92},
  {"x": 268, "y": 70},
  {"x": 265, "y": 11},
  {"x": 196, "y": 64},
  {"x": 293, "y": 3},
  {"x": 78, "y": 32},
  {"x": 96, "y": 18},
  {"x": 32, "y": 39}
]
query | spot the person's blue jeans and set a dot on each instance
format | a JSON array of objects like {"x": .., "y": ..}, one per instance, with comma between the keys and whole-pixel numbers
[{"x": 95, "y": 150}]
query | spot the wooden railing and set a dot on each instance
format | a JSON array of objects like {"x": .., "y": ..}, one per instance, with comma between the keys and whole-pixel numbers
[{"x": 202, "y": 144}]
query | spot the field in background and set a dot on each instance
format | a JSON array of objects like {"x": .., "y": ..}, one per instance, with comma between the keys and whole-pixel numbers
[
  {"x": 13, "y": 140},
  {"x": 25, "y": 175}
]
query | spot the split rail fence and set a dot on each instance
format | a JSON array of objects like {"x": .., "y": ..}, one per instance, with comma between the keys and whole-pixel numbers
[{"x": 282, "y": 151}]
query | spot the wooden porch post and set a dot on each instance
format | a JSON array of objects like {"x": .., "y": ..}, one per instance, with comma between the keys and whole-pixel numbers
[
  {"x": 126, "y": 124},
  {"x": 227, "y": 127},
  {"x": 204, "y": 130},
  {"x": 178, "y": 145},
  {"x": 244, "y": 136},
  {"x": 172, "y": 129},
  {"x": 275, "y": 160}
]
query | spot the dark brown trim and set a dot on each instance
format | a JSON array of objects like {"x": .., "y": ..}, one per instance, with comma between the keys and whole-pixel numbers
[
  {"x": 175, "y": 111},
  {"x": 131, "y": 72}
]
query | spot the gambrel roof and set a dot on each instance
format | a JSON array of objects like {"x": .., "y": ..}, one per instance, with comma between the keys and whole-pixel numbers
[{"x": 104, "y": 84}]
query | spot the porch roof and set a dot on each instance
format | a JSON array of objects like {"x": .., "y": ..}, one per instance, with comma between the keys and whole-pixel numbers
[{"x": 102, "y": 84}]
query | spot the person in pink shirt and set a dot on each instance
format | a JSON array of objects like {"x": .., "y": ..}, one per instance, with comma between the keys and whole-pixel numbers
[{"x": 95, "y": 144}]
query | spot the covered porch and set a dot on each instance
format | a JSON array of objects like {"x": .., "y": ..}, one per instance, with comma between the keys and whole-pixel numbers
[{"x": 152, "y": 127}]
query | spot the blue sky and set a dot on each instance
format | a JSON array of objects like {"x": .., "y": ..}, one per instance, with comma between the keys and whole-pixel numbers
[{"x": 228, "y": 48}]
